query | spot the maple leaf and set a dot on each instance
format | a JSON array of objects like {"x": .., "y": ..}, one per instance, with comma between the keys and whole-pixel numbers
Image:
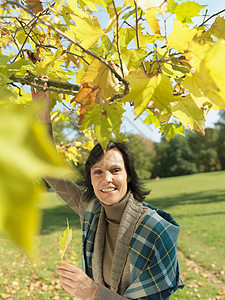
[
  {"x": 64, "y": 240},
  {"x": 169, "y": 130},
  {"x": 145, "y": 88},
  {"x": 87, "y": 94},
  {"x": 185, "y": 11},
  {"x": 189, "y": 114},
  {"x": 34, "y": 5},
  {"x": 99, "y": 74},
  {"x": 181, "y": 36}
]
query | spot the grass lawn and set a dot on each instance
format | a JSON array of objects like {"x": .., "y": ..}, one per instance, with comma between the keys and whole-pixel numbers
[{"x": 197, "y": 202}]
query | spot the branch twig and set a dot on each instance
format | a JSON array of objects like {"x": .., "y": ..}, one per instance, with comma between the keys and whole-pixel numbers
[
  {"x": 37, "y": 82},
  {"x": 212, "y": 16},
  {"x": 137, "y": 35},
  {"x": 126, "y": 84},
  {"x": 117, "y": 37}
]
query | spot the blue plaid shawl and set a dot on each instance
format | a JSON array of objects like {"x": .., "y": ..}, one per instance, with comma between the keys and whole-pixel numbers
[{"x": 154, "y": 270}]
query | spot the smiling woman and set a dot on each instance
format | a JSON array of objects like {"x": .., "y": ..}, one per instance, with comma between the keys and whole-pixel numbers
[{"x": 129, "y": 246}]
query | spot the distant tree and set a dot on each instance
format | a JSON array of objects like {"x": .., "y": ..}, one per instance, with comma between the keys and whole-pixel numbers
[
  {"x": 205, "y": 150},
  {"x": 221, "y": 139},
  {"x": 143, "y": 150},
  {"x": 174, "y": 158}
]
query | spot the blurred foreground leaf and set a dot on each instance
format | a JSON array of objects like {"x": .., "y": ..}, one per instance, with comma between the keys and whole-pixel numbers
[{"x": 26, "y": 154}]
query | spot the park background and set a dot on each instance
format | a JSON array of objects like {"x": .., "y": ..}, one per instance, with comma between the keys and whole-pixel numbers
[{"x": 186, "y": 176}]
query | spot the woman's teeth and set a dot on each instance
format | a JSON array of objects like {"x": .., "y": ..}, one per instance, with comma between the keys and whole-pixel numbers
[{"x": 108, "y": 190}]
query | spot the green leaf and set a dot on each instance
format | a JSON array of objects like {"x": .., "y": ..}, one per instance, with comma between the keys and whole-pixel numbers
[
  {"x": 64, "y": 240},
  {"x": 186, "y": 10},
  {"x": 172, "y": 6},
  {"x": 170, "y": 130},
  {"x": 151, "y": 119},
  {"x": 106, "y": 119},
  {"x": 4, "y": 60},
  {"x": 4, "y": 79},
  {"x": 20, "y": 67},
  {"x": 132, "y": 58},
  {"x": 7, "y": 95}
]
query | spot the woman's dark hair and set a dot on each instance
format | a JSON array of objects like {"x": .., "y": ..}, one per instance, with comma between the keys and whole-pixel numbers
[{"x": 95, "y": 155}]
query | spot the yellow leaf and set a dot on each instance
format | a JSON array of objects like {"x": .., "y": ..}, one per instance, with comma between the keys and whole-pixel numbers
[
  {"x": 215, "y": 63},
  {"x": 87, "y": 31},
  {"x": 207, "y": 83},
  {"x": 99, "y": 75},
  {"x": 26, "y": 154},
  {"x": 77, "y": 11},
  {"x": 64, "y": 240},
  {"x": 181, "y": 36},
  {"x": 197, "y": 53},
  {"x": 144, "y": 88},
  {"x": 188, "y": 113},
  {"x": 153, "y": 22},
  {"x": 90, "y": 4}
]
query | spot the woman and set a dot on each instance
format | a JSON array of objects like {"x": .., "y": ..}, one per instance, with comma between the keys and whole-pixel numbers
[{"x": 129, "y": 247}]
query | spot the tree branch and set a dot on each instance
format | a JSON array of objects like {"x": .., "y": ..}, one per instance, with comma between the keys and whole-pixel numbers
[
  {"x": 21, "y": 49},
  {"x": 37, "y": 82},
  {"x": 212, "y": 16},
  {"x": 126, "y": 83},
  {"x": 117, "y": 37},
  {"x": 137, "y": 35}
]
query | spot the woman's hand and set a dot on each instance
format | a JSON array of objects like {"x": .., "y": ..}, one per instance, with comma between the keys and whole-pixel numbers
[
  {"x": 76, "y": 282},
  {"x": 44, "y": 99}
]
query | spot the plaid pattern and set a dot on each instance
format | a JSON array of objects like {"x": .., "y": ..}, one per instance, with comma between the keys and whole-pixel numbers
[{"x": 152, "y": 251}]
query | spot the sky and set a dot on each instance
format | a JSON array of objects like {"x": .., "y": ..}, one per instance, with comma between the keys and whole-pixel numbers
[{"x": 130, "y": 125}]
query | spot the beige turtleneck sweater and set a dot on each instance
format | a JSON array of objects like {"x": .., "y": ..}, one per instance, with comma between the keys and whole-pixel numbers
[{"x": 113, "y": 217}]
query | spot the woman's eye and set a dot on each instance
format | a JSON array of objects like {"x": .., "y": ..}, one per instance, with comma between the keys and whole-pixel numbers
[
  {"x": 116, "y": 170},
  {"x": 97, "y": 172}
]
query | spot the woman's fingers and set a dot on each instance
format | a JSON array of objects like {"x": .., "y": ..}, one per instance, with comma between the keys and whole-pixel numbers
[{"x": 76, "y": 282}]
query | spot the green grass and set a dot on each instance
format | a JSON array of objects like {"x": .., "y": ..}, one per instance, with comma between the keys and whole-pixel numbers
[{"x": 197, "y": 202}]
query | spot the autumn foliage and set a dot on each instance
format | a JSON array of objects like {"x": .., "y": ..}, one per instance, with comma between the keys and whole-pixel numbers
[{"x": 100, "y": 55}]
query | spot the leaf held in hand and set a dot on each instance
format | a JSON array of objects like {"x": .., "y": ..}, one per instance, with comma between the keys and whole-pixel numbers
[{"x": 64, "y": 240}]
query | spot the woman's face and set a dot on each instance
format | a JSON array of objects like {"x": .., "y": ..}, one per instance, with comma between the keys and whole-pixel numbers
[{"x": 109, "y": 177}]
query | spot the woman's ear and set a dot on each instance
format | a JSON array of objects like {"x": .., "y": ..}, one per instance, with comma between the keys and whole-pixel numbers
[{"x": 128, "y": 179}]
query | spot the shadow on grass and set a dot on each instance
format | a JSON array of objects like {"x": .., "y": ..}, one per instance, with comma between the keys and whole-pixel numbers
[
  {"x": 54, "y": 219},
  {"x": 213, "y": 197}
]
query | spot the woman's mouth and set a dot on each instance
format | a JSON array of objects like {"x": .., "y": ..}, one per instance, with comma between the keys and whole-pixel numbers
[{"x": 107, "y": 190}]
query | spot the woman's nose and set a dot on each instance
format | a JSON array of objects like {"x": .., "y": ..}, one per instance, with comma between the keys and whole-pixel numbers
[{"x": 108, "y": 176}]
